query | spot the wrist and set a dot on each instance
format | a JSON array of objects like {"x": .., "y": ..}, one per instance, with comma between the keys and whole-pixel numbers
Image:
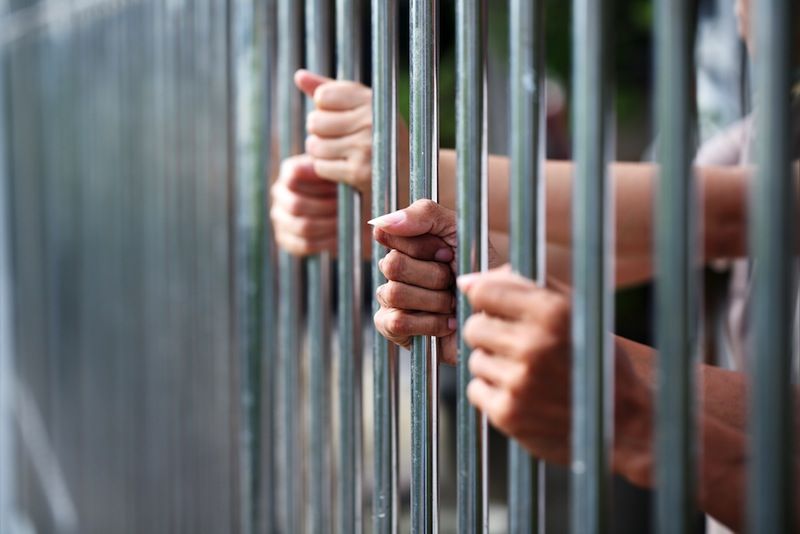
[{"x": 633, "y": 432}]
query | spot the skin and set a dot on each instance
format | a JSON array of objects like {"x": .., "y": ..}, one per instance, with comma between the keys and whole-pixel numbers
[{"x": 339, "y": 146}]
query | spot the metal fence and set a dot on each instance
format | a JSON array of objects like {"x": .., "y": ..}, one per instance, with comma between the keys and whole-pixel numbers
[{"x": 159, "y": 371}]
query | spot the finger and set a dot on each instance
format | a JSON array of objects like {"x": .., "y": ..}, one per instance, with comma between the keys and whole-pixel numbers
[
  {"x": 304, "y": 247},
  {"x": 336, "y": 123},
  {"x": 413, "y": 298},
  {"x": 482, "y": 394},
  {"x": 337, "y": 147},
  {"x": 319, "y": 188},
  {"x": 421, "y": 217},
  {"x": 500, "y": 293},
  {"x": 448, "y": 353},
  {"x": 337, "y": 170},
  {"x": 493, "y": 401},
  {"x": 308, "y": 81},
  {"x": 300, "y": 204},
  {"x": 494, "y": 335},
  {"x": 398, "y": 267},
  {"x": 298, "y": 174},
  {"x": 424, "y": 247},
  {"x": 397, "y": 324},
  {"x": 341, "y": 95},
  {"x": 497, "y": 371},
  {"x": 306, "y": 227}
]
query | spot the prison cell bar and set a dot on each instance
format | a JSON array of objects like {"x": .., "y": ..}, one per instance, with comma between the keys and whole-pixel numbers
[
  {"x": 591, "y": 363},
  {"x": 269, "y": 47},
  {"x": 318, "y": 16},
  {"x": 7, "y": 467},
  {"x": 526, "y": 136},
  {"x": 424, "y": 162},
  {"x": 251, "y": 56},
  {"x": 348, "y": 25},
  {"x": 772, "y": 246},
  {"x": 385, "y": 508},
  {"x": 676, "y": 312},
  {"x": 291, "y": 130},
  {"x": 471, "y": 34}
]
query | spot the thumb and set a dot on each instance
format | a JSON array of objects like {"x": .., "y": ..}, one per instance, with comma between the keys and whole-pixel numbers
[
  {"x": 308, "y": 81},
  {"x": 421, "y": 217}
]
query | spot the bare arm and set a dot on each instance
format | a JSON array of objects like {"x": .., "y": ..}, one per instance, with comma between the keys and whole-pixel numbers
[
  {"x": 722, "y": 427},
  {"x": 723, "y": 193}
]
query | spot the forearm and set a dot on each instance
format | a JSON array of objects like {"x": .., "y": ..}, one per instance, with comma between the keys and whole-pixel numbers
[
  {"x": 723, "y": 195},
  {"x": 722, "y": 427},
  {"x": 722, "y": 455}
]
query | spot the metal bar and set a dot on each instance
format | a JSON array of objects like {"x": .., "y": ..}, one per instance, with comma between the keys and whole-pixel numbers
[
  {"x": 269, "y": 268},
  {"x": 290, "y": 131},
  {"x": 385, "y": 508},
  {"x": 471, "y": 145},
  {"x": 591, "y": 316},
  {"x": 526, "y": 24},
  {"x": 676, "y": 313},
  {"x": 348, "y": 35},
  {"x": 7, "y": 467},
  {"x": 773, "y": 249},
  {"x": 318, "y": 15},
  {"x": 424, "y": 161},
  {"x": 251, "y": 161}
]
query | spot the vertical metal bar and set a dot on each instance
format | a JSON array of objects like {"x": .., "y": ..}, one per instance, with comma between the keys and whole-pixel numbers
[
  {"x": 773, "y": 248},
  {"x": 348, "y": 35},
  {"x": 269, "y": 269},
  {"x": 591, "y": 417},
  {"x": 675, "y": 313},
  {"x": 250, "y": 167},
  {"x": 526, "y": 24},
  {"x": 471, "y": 145},
  {"x": 291, "y": 130},
  {"x": 7, "y": 468},
  {"x": 424, "y": 162},
  {"x": 384, "y": 200},
  {"x": 318, "y": 59}
]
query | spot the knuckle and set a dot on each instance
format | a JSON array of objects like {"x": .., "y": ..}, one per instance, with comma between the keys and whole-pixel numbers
[
  {"x": 443, "y": 276},
  {"x": 392, "y": 294},
  {"x": 304, "y": 226},
  {"x": 503, "y": 413},
  {"x": 312, "y": 145},
  {"x": 294, "y": 205},
  {"x": 396, "y": 324},
  {"x": 471, "y": 327},
  {"x": 427, "y": 206},
  {"x": 479, "y": 294},
  {"x": 392, "y": 265},
  {"x": 313, "y": 122},
  {"x": 474, "y": 363},
  {"x": 324, "y": 92}
]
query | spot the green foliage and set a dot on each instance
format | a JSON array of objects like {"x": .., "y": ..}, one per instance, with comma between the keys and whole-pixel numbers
[{"x": 632, "y": 55}]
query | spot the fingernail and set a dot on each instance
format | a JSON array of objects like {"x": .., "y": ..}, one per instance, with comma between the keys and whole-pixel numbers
[
  {"x": 388, "y": 220},
  {"x": 452, "y": 323},
  {"x": 443, "y": 254},
  {"x": 465, "y": 281}
]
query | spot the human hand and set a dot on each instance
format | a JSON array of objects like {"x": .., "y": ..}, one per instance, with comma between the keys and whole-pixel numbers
[
  {"x": 303, "y": 208},
  {"x": 419, "y": 297},
  {"x": 339, "y": 129},
  {"x": 522, "y": 371}
]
